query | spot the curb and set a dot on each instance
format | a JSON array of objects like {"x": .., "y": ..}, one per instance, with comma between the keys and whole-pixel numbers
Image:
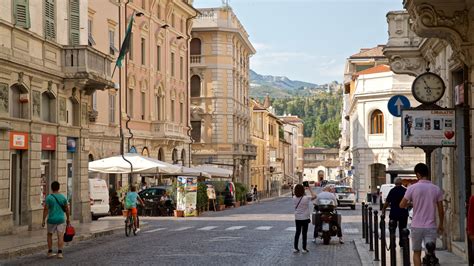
[
  {"x": 364, "y": 254},
  {"x": 37, "y": 247}
]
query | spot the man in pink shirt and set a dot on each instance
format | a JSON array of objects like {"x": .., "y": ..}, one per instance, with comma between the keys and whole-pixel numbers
[{"x": 425, "y": 197}]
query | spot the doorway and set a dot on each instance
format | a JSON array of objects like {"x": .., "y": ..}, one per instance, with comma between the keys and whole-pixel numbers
[
  {"x": 70, "y": 174},
  {"x": 16, "y": 172}
]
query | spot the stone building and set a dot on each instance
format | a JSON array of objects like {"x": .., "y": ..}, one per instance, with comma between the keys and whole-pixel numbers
[
  {"x": 296, "y": 125},
  {"x": 220, "y": 107},
  {"x": 321, "y": 164},
  {"x": 437, "y": 34},
  {"x": 47, "y": 72},
  {"x": 153, "y": 82}
]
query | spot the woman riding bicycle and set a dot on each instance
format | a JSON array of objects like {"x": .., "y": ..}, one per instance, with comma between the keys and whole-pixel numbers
[{"x": 131, "y": 205}]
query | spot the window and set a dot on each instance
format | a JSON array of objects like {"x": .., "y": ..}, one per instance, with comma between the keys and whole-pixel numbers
[
  {"x": 172, "y": 110},
  {"x": 90, "y": 39},
  {"x": 21, "y": 13},
  {"x": 173, "y": 20},
  {"x": 143, "y": 100},
  {"x": 4, "y": 99},
  {"x": 111, "y": 108},
  {"x": 143, "y": 4},
  {"x": 16, "y": 107},
  {"x": 130, "y": 102},
  {"x": 196, "y": 132},
  {"x": 74, "y": 25},
  {"x": 49, "y": 19},
  {"x": 376, "y": 122},
  {"x": 158, "y": 57},
  {"x": 181, "y": 67},
  {"x": 143, "y": 51},
  {"x": 195, "y": 46},
  {"x": 112, "y": 49},
  {"x": 172, "y": 64},
  {"x": 158, "y": 11},
  {"x": 181, "y": 25},
  {"x": 47, "y": 104},
  {"x": 72, "y": 113},
  {"x": 195, "y": 86},
  {"x": 130, "y": 52},
  {"x": 181, "y": 112},
  {"x": 158, "y": 107}
]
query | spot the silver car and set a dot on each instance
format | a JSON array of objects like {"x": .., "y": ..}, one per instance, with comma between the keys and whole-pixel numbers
[{"x": 345, "y": 196}]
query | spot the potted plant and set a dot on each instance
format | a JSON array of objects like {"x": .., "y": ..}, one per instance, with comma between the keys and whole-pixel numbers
[{"x": 220, "y": 203}]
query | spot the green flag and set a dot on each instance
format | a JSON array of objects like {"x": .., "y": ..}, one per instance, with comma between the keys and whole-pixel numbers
[{"x": 126, "y": 43}]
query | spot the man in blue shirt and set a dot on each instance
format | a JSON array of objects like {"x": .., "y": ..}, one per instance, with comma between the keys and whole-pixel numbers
[
  {"x": 55, "y": 208},
  {"x": 396, "y": 213}
]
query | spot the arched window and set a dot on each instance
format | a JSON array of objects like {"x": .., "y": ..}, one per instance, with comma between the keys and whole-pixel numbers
[
  {"x": 161, "y": 155},
  {"x": 195, "y": 46},
  {"x": 376, "y": 122},
  {"x": 174, "y": 156},
  {"x": 195, "y": 86},
  {"x": 47, "y": 107},
  {"x": 91, "y": 158},
  {"x": 183, "y": 156}
]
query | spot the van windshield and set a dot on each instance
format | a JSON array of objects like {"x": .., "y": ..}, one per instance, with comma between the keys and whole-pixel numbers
[{"x": 344, "y": 190}]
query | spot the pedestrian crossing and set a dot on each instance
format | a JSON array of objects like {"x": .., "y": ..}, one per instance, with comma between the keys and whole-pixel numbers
[{"x": 348, "y": 231}]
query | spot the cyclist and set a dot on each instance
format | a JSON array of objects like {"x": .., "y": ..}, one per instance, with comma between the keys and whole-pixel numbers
[{"x": 131, "y": 205}]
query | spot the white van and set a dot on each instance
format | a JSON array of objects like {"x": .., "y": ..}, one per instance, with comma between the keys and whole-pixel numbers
[
  {"x": 384, "y": 190},
  {"x": 99, "y": 198}
]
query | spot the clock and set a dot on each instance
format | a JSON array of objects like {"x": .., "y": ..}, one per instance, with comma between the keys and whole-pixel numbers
[{"x": 428, "y": 88}]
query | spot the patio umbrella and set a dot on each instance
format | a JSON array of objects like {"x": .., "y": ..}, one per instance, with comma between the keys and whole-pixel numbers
[
  {"x": 214, "y": 171},
  {"x": 193, "y": 172},
  {"x": 141, "y": 165}
]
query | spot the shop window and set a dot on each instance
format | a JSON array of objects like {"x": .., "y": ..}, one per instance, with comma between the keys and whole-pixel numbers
[{"x": 376, "y": 122}]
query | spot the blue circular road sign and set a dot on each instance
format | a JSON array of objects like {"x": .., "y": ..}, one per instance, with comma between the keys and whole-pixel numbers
[{"x": 397, "y": 103}]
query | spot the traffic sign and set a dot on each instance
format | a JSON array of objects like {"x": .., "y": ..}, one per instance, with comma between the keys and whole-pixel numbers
[{"x": 397, "y": 103}]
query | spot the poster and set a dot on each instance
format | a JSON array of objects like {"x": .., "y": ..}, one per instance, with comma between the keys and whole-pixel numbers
[
  {"x": 428, "y": 128},
  {"x": 186, "y": 196}
]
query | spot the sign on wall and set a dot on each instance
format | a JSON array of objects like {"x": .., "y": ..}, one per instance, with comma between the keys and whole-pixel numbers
[
  {"x": 48, "y": 142},
  {"x": 18, "y": 141},
  {"x": 428, "y": 128}
]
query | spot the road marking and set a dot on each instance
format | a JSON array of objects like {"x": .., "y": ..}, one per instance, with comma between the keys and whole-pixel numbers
[
  {"x": 208, "y": 228},
  {"x": 264, "y": 228},
  {"x": 290, "y": 229},
  {"x": 155, "y": 230},
  {"x": 351, "y": 231},
  {"x": 183, "y": 228},
  {"x": 232, "y": 228},
  {"x": 224, "y": 238}
]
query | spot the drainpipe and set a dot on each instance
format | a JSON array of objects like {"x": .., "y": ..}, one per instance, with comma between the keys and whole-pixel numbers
[{"x": 188, "y": 81}]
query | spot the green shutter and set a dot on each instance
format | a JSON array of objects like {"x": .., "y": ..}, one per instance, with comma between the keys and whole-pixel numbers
[
  {"x": 74, "y": 25},
  {"x": 21, "y": 13},
  {"x": 49, "y": 19}
]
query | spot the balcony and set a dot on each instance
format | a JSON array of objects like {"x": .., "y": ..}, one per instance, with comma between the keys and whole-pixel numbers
[
  {"x": 167, "y": 130},
  {"x": 246, "y": 149},
  {"x": 88, "y": 67},
  {"x": 196, "y": 60}
]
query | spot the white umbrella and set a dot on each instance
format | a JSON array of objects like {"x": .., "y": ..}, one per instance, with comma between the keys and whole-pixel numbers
[
  {"x": 214, "y": 171},
  {"x": 141, "y": 165},
  {"x": 193, "y": 172}
]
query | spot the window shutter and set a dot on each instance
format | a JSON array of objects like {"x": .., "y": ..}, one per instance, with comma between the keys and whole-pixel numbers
[
  {"x": 21, "y": 13},
  {"x": 49, "y": 19},
  {"x": 74, "y": 34}
]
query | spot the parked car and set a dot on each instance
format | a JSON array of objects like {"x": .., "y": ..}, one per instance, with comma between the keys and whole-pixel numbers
[
  {"x": 384, "y": 190},
  {"x": 99, "y": 198},
  {"x": 345, "y": 196},
  {"x": 153, "y": 193}
]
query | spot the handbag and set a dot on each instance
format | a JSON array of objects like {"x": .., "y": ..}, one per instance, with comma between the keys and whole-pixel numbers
[
  {"x": 63, "y": 207},
  {"x": 69, "y": 234}
]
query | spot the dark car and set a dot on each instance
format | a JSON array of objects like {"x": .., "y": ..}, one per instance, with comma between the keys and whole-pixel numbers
[{"x": 152, "y": 194}]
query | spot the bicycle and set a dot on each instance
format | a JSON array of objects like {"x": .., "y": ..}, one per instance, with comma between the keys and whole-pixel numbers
[{"x": 130, "y": 224}]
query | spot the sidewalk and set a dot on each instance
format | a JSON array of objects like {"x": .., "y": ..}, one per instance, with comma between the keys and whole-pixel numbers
[
  {"x": 367, "y": 257},
  {"x": 29, "y": 242}
]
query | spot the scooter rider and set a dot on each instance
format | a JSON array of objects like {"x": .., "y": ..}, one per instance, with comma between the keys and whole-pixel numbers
[{"x": 328, "y": 194}]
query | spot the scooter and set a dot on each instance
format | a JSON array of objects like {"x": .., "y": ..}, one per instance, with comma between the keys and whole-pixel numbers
[{"x": 325, "y": 219}]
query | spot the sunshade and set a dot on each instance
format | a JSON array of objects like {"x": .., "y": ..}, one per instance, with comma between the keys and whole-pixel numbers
[
  {"x": 214, "y": 171},
  {"x": 141, "y": 165}
]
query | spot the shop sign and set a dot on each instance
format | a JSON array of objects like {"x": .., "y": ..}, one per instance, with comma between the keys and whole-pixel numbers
[
  {"x": 421, "y": 128},
  {"x": 18, "y": 141},
  {"x": 71, "y": 144},
  {"x": 48, "y": 142}
]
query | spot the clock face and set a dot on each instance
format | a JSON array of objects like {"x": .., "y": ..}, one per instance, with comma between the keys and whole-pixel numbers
[{"x": 428, "y": 88}]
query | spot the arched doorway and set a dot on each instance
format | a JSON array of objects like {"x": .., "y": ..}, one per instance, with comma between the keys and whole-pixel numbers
[
  {"x": 320, "y": 175},
  {"x": 195, "y": 86},
  {"x": 377, "y": 176},
  {"x": 174, "y": 156},
  {"x": 161, "y": 155},
  {"x": 183, "y": 156}
]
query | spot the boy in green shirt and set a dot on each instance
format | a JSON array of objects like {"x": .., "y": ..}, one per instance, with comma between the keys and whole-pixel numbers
[{"x": 54, "y": 209}]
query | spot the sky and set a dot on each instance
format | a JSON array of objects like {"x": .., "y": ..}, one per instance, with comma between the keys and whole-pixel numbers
[{"x": 309, "y": 40}]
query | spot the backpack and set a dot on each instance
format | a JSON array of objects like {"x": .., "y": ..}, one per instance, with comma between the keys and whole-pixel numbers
[{"x": 128, "y": 202}]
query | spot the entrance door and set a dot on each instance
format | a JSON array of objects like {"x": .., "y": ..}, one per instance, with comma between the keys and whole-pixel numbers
[
  {"x": 45, "y": 174},
  {"x": 15, "y": 177},
  {"x": 70, "y": 174}
]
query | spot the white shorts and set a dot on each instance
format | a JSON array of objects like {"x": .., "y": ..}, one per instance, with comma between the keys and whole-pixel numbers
[
  {"x": 424, "y": 235},
  {"x": 56, "y": 228}
]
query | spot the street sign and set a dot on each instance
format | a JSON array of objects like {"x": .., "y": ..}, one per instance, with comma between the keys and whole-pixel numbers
[{"x": 396, "y": 104}]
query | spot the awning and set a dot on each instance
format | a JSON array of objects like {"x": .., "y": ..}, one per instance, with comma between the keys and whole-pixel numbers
[
  {"x": 214, "y": 171},
  {"x": 141, "y": 165}
]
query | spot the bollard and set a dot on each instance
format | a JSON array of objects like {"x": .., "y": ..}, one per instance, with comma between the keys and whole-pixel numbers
[
  {"x": 406, "y": 246},
  {"x": 430, "y": 257},
  {"x": 392, "y": 226},
  {"x": 376, "y": 235},
  {"x": 371, "y": 233},
  {"x": 366, "y": 224},
  {"x": 383, "y": 244},
  {"x": 363, "y": 219}
]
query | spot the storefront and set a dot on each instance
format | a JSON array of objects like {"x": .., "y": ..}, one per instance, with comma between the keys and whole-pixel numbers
[
  {"x": 48, "y": 148},
  {"x": 18, "y": 176}
]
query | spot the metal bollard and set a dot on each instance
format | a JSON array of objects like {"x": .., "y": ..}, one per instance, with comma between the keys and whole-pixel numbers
[
  {"x": 406, "y": 246},
  {"x": 376, "y": 235},
  {"x": 383, "y": 243},
  {"x": 430, "y": 257},
  {"x": 371, "y": 232},
  {"x": 366, "y": 224},
  {"x": 363, "y": 219},
  {"x": 392, "y": 226}
]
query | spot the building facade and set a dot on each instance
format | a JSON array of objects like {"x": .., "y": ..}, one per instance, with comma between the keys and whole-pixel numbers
[
  {"x": 220, "y": 106},
  {"x": 436, "y": 34},
  {"x": 47, "y": 72},
  {"x": 321, "y": 164},
  {"x": 153, "y": 81},
  {"x": 296, "y": 125}
]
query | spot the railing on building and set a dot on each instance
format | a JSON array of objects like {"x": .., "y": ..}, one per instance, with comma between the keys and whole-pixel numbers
[{"x": 196, "y": 59}]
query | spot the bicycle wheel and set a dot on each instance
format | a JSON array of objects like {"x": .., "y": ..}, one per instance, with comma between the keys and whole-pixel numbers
[
  {"x": 128, "y": 226},
  {"x": 134, "y": 227}
]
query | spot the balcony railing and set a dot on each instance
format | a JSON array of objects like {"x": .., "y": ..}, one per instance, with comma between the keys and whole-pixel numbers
[{"x": 196, "y": 59}]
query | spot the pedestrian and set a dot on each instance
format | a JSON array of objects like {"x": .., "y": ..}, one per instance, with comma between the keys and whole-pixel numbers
[
  {"x": 426, "y": 198},
  {"x": 55, "y": 208},
  {"x": 328, "y": 193},
  {"x": 302, "y": 215},
  {"x": 397, "y": 214},
  {"x": 255, "y": 194}
]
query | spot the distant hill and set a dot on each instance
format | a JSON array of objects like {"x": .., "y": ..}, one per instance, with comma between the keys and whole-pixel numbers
[{"x": 283, "y": 87}]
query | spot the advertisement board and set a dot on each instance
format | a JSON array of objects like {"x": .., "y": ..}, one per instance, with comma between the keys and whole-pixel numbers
[
  {"x": 187, "y": 195},
  {"x": 428, "y": 128}
]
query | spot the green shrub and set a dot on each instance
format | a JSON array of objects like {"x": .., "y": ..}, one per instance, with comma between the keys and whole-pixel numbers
[
  {"x": 220, "y": 200},
  {"x": 201, "y": 197},
  {"x": 240, "y": 192}
]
